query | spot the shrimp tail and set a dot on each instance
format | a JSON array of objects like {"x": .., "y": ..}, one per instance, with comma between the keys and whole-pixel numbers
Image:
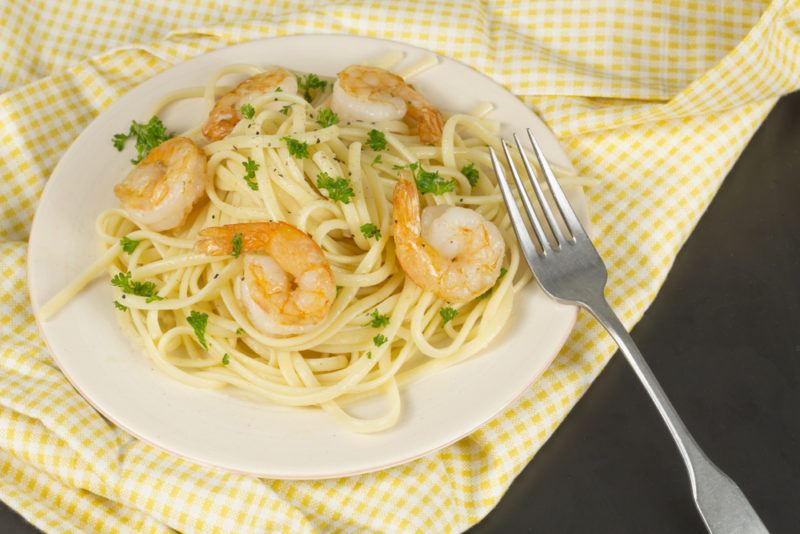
[
  {"x": 218, "y": 240},
  {"x": 430, "y": 124},
  {"x": 420, "y": 262}
]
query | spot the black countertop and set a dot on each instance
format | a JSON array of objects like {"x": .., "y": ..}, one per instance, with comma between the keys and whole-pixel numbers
[{"x": 723, "y": 337}]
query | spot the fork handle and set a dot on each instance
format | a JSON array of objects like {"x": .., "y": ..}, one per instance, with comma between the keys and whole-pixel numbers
[{"x": 721, "y": 503}]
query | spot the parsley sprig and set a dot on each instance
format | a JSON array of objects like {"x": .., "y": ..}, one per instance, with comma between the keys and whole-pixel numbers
[
  {"x": 378, "y": 319},
  {"x": 148, "y": 136},
  {"x": 338, "y": 189},
  {"x": 379, "y": 340},
  {"x": 247, "y": 111},
  {"x": 376, "y": 140},
  {"x": 471, "y": 173},
  {"x": 327, "y": 117},
  {"x": 370, "y": 230},
  {"x": 198, "y": 321},
  {"x": 309, "y": 83},
  {"x": 448, "y": 314},
  {"x": 133, "y": 287},
  {"x": 297, "y": 149},
  {"x": 120, "y": 307},
  {"x": 128, "y": 244},
  {"x": 285, "y": 109},
  {"x": 427, "y": 181},
  {"x": 236, "y": 244},
  {"x": 250, "y": 168}
]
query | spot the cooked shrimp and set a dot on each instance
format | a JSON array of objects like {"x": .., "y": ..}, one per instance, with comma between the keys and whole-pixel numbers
[
  {"x": 226, "y": 112},
  {"x": 162, "y": 189},
  {"x": 288, "y": 284},
  {"x": 373, "y": 94},
  {"x": 452, "y": 251}
]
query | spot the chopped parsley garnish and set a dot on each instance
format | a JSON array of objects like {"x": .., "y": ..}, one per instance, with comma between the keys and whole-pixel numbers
[
  {"x": 379, "y": 340},
  {"x": 503, "y": 272},
  {"x": 237, "y": 245},
  {"x": 431, "y": 182},
  {"x": 247, "y": 111},
  {"x": 250, "y": 168},
  {"x": 120, "y": 307},
  {"x": 132, "y": 287},
  {"x": 378, "y": 319},
  {"x": 471, "y": 173},
  {"x": 369, "y": 355},
  {"x": 198, "y": 322},
  {"x": 370, "y": 230},
  {"x": 240, "y": 331},
  {"x": 448, "y": 314},
  {"x": 378, "y": 159},
  {"x": 148, "y": 136},
  {"x": 128, "y": 244},
  {"x": 279, "y": 89},
  {"x": 285, "y": 109},
  {"x": 376, "y": 140},
  {"x": 338, "y": 188},
  {"x": 308, "y": 83},
  {"x": 327, "y": 118},
  {"x": 226, "y": 359},
  {"x": 427, "y": 181},
  {"x": 297, "y": 149}
]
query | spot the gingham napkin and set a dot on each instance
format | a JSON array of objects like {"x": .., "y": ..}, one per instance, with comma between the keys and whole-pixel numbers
[{"x": 655, "y": 99}]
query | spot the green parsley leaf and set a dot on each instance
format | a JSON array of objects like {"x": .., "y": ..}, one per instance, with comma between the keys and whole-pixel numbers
[
  {"x": 376, "y": 140},
  {"x": 247, "y": 111},
  {"x": 250, "y": 168},
  {"x": 128, "y": 244},
  {"x": 141, "y": 289},
  {"x": 378, "y": 320},
  {"x": 327, "y": 117},
  {"x": 370, "y": 230},
  {"x": 448, "y": 314},
  {"x": 237, "y": 245},
  {"x": 369, "y": 355},
  {"x": 379, "y": 340},
  {"x": 471, "y": 173},
  {"x": 240, "y": 331},
  {"x": 297, "y": 149},
  {"x": 278, "y": 89},
  {"x": 226, "y": 359},
  {"x": 503, "y": 272},
  {"x": 378, "y": 159},
  {"x": 198, "y": 322},
  {"x": 120, "y": 307},
  {"x": 338, "y": 188},
  {"x": 148, "y": 136},
  {"x": 401, "y": 167},
  {"x": 431, "y": 182},
  {"x": 308, "y": 83},
  {"x": 285, "y": 109}
]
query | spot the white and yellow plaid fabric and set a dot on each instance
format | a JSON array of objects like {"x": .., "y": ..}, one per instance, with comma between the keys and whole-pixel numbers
[{"x": 654, "y": 99}]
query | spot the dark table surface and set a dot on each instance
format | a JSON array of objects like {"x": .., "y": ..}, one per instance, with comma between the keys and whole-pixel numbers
[{"x": 723, "y": 337}]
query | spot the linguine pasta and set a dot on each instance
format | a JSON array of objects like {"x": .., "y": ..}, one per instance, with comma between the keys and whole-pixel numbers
[{"x": 382, "y": 329}]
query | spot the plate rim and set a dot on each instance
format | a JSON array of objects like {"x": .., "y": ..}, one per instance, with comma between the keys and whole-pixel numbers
[{"x": 265, "y": 474}]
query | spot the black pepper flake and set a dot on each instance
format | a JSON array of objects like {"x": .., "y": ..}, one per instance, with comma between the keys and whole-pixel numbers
[
  {"x": 123, "y": 295},
  {"x": 216, "y": 276},
  {"x": 213, "y": 216}
]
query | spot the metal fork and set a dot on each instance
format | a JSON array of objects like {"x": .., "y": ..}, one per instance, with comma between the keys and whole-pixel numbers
[{"x": 570, "y": 270}]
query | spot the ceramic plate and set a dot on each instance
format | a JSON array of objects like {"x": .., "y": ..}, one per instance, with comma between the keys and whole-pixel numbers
[{"x": 230, "y": 431}]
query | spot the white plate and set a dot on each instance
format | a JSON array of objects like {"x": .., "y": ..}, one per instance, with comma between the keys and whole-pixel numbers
[{"x": 230, "y": 431}]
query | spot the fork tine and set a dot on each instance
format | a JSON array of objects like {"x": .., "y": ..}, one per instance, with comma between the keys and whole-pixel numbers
[
  {"x": 537, "y": 189},
  {"x": 525, "y": 241},
  {"x": 526, "y": 203},
  {"x": 564, "y": 207}
]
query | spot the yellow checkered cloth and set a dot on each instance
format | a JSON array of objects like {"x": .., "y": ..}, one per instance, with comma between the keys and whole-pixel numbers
[{"x": 654, "y": 99}]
